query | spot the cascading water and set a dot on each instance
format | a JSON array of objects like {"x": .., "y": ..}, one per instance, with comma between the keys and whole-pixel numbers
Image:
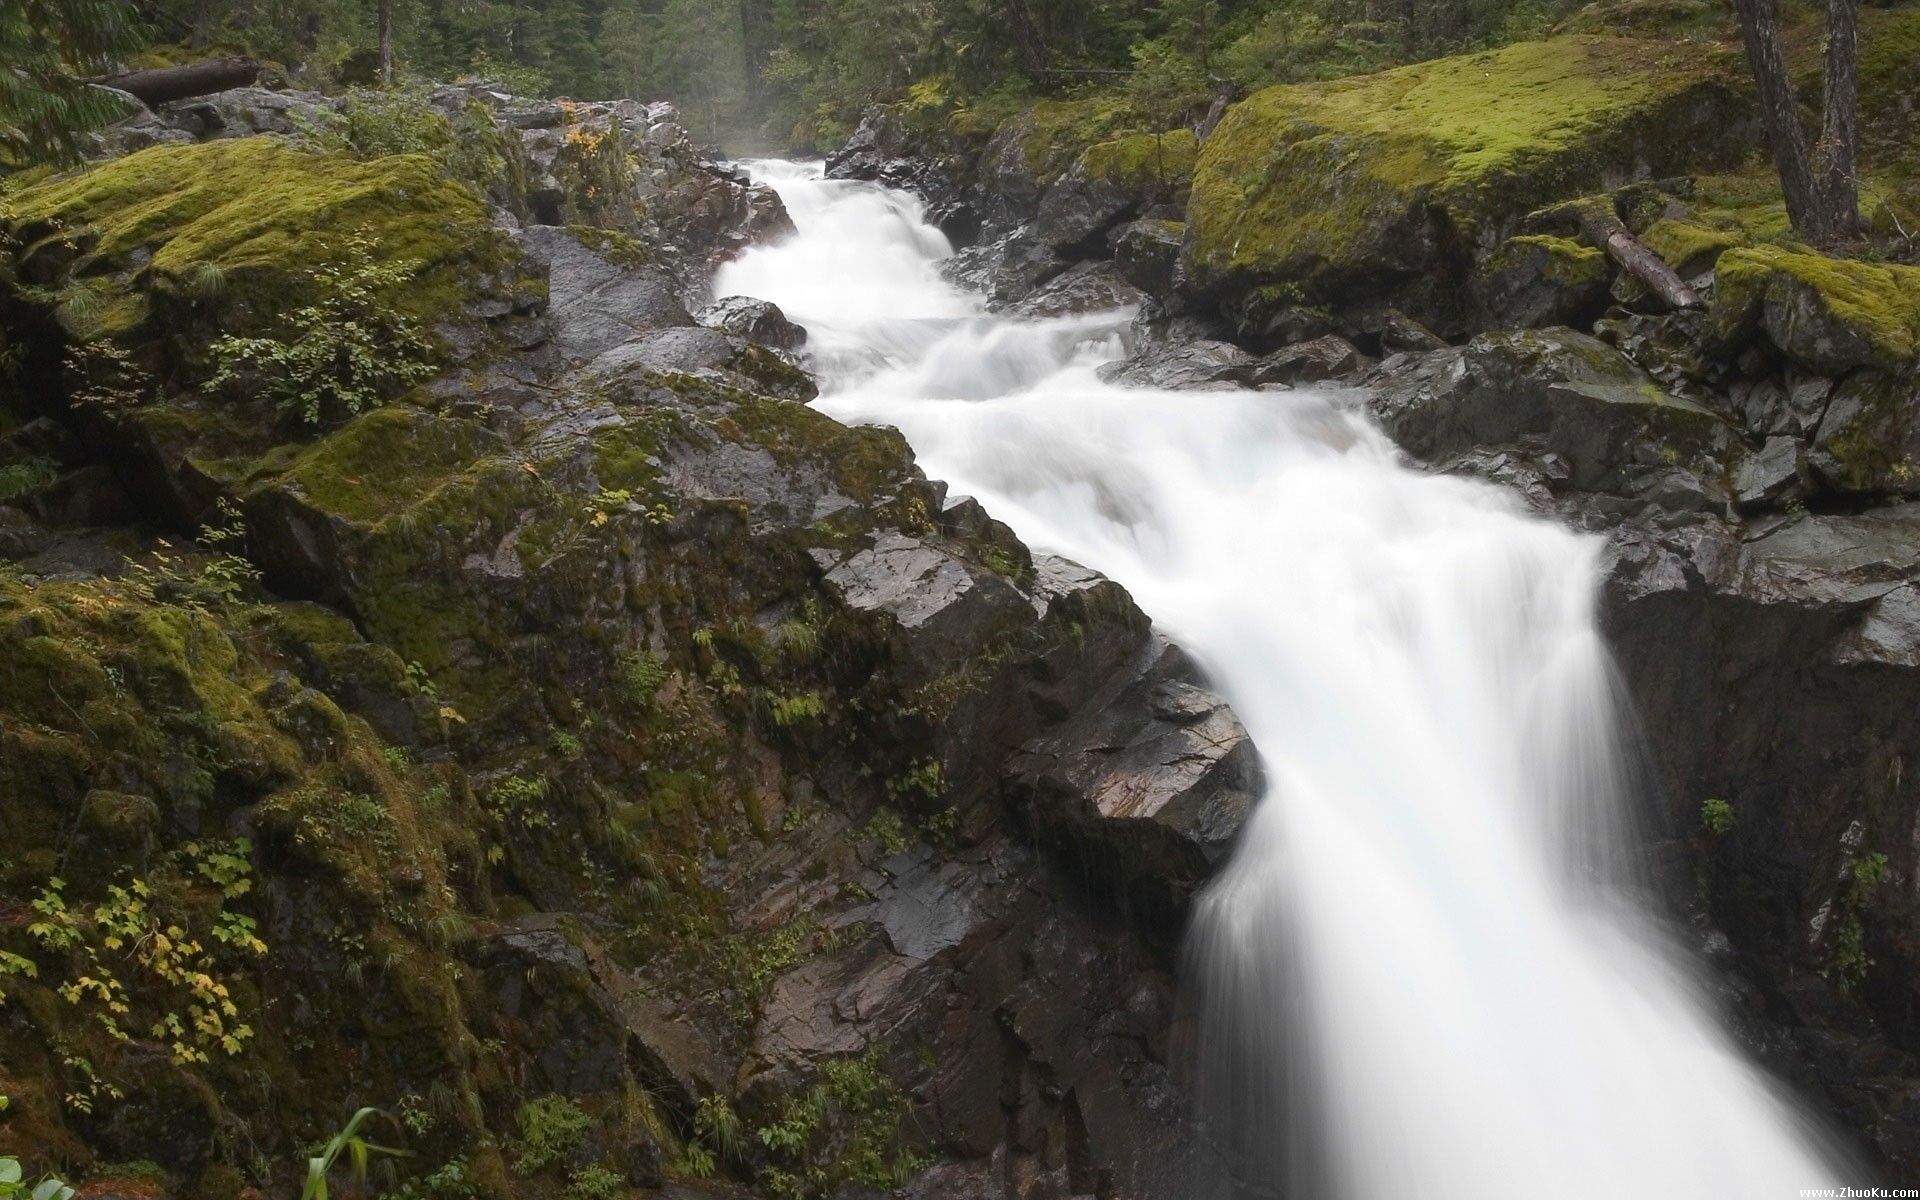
[{"x": 1420, "y": 974}]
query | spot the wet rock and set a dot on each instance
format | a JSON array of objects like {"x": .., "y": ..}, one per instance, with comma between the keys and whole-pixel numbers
[
  {"x": 1396, "y": 332},
  {"x": 756, "y": 320},
  {"x": 1329, "y": 356},
  {"x": 1869, "y": 437},
  {"x": 1145, "y": 252},
  {"x": 1151, "y": 783},
  {"x": 944, "y": 609},
  {"x": 1008, "y": 270},
  {"x": 597, "y": 303},
  {"x": 1088, "y": 287},
  {"x": 1561, "y": 392},
  {"x": 1534, "y": 281},
  {"x": 1777, "y": 472},
  {"x": 1179, "y": 365}
]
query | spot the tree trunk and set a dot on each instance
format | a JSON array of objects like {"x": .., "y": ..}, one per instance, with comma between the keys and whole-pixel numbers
[
  {"x": 386, "y": 43},
  {"x": 750, "y": 54},
  {"x": 1820, "y": 213},
  {"x": 1834, "y": 165},
  {"x": 1601, "y": 226},
  {"x": 1033, "y": 51},
  {"x": 161, "y": 84}
]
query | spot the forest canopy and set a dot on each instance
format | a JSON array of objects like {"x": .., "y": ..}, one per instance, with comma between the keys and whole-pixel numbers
[{"x": 777, "y": 72}]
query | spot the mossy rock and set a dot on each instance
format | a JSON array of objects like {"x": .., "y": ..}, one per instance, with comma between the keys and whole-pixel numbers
[
  {"x": 1829, "y": 315},
  {"x": 229, "y": 229},
  {"x": 1689, "y": 247},
  {"x": 1535, "y": 280},
  {"x": 1349, "y": 188},
  {"x": 1869, "y": 437},
  {"x": 1032, "y": 151},
  {"x": 1144, "y": 162}
]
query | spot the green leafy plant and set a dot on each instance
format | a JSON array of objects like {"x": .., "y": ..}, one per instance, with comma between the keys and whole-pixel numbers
[
  {"x": 1847, "y": 961},
  {"x": 594, "y": 1183},
  {"x": 346, "y": 351},
  {"x": 642, "y": 675},
  {"x": 347, "y": 1143},
  {"x": 552, "y": 1128},
  {"x": 1716, "y": 816},
  {"x": 13, "y": 1184}
]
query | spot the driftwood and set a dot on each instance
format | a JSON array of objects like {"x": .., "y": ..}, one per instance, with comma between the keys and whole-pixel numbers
[
  {"x": 1601, "y": 226},
  {"x": 161, "y": 84}
]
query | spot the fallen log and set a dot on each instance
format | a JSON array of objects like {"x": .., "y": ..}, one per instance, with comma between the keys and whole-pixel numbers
[
  {"x": 1601, "y": 226},
  {"x": 157, "y": 85}
]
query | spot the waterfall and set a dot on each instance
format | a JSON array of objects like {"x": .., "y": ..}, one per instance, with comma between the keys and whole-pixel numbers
[{"x": 1426, "y": 971}]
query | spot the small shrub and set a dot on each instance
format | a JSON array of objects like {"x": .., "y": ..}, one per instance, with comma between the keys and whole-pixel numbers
[
  {"x": 594, "y": 1183},
  {"x": 552, "y": 1128},
  {"x": 642, "y": 675},
  {"x": 24, "y": 476},
  {"x": 1716, "y": 816},
  {"x": 347, "y": 351}
]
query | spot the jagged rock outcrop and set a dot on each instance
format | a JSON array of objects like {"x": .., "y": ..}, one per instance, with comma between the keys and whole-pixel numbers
[{"x": 618, "y": 743}]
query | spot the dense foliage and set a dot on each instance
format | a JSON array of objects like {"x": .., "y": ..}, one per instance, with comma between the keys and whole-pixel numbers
[
  {"x": 47, "y": 47},
  {"x": 767, "y": 68}
]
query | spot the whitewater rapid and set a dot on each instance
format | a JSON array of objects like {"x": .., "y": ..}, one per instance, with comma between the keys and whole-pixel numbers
[{"x": 1423, "y": 972}]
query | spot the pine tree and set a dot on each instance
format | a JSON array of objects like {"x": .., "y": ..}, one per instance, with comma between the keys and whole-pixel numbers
[{"x": 47, "y": 47}]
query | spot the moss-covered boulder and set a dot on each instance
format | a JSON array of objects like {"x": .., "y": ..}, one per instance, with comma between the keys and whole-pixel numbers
[
  {"x": 1387, "y": 183},
  {"x": 1534, "y": 280},
  {"x": 1828, "y": 315},
  {"x": 1111, "y": 182},
  {"x": 223, "y": 234}
]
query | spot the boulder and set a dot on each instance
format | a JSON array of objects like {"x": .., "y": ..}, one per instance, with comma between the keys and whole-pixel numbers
[
  {"x": 1329, "y": 356},
  {"x": 1532, "y": 281},
  {"x": 756, "y": 320},
  {"x": 1559, "y": 392},
  {"x": 1150, "y": 783},
  {"x": 599, "y": 298},
  {"x": 1362, "y": 189},
  {"x": 1868, "y": 439},
  {"x": 1086, "y": 287},
  {"x": 1145, "y": 253},
  {"x": 1827, "y": 315},
  {"x": 1183, "y": 364}
]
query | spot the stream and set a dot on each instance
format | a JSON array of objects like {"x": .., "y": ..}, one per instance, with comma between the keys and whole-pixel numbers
[{"x": 1429, "y": 969}]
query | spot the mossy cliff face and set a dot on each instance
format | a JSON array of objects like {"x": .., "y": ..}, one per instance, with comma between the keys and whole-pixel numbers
[
  {"x": 1344, "y": 191},
  {"x": 594, "y": 723}
]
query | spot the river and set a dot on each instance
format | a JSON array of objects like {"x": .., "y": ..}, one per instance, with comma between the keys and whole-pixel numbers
[{"x": 1427, "y": 970}]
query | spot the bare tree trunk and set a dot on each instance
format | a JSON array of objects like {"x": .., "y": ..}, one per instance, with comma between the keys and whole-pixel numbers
[
  {"x": 1032, "y": 49},
  {"x": 1839, "y": 137},
  {"x": 1600, "y": 224},
  {"x": 1820, "y": 214},
  {"x": 386, "y": 43}
]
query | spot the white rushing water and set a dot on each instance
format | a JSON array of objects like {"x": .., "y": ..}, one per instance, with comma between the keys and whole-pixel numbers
[{"x": 1420, "y": 975}]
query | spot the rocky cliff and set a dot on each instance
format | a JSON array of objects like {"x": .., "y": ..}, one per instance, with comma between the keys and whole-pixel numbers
[{"x": 449, "y": 669}]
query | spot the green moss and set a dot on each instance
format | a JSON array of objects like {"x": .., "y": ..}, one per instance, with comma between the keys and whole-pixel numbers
[
  {"x": 1569, "y": 263},
  {"x": 382, "y": 461},
  {"x": 1688, "y": 246},
  {"x": 262, "y": 213},
  {"x": 612, "y": 245},
  {"x": 1328, "y": 184},
  {"x": 1142, "y": 160},
  {"x": 1053, "y": 134},
  {"x": 1875, "y": 306}
]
